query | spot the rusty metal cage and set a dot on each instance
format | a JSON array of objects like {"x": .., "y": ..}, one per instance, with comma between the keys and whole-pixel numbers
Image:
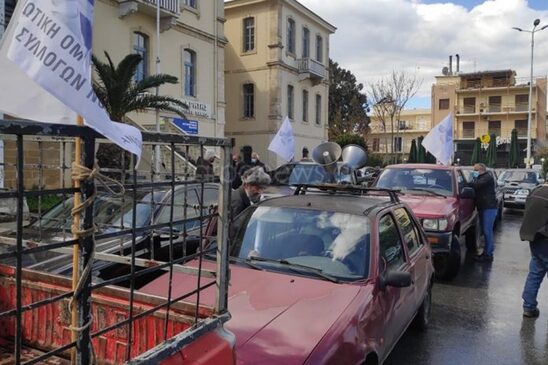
[{"x": 146, "y": 222}]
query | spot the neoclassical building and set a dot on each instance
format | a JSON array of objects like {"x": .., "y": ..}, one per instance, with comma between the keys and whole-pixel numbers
[{"x": 277, "y": 65}]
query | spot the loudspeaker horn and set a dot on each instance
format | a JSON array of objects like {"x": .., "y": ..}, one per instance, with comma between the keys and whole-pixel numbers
[
  {"x": 354, "y": 156},
  {"x": 327, "y": 153}
]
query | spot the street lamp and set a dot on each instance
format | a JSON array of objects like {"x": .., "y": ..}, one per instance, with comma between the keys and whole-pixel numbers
[{"x": 532, "y": 31}]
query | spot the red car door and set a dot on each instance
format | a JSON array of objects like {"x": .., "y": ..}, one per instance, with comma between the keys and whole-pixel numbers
[
  {"x": 419, "y": 256},
  {"x": 397, "y": 303}
]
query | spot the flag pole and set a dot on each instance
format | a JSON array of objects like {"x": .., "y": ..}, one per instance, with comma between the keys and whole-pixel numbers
[{"x": 75, "y": 248}]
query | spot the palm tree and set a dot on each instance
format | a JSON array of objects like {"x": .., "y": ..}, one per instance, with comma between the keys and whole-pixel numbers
[{"x": 117, "y": 90}]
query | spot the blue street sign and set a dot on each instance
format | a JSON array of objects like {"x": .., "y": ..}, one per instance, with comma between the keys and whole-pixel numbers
[{"x": 187, "y": 126}]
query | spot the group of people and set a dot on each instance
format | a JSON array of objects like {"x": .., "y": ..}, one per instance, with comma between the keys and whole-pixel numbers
[
  {"x": 250, "y": 179},
  {"x": 534, "y": 229}
]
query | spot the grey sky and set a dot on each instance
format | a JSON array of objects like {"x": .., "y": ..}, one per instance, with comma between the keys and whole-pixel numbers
[{"x": 376, "y": 36}]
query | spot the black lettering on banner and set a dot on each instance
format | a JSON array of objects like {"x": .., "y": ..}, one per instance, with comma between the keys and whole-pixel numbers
[
  {"x": 38, "y": 13},
  {"x": 76, "y": 51},
  {"x": 40, "y": 54},
  {"x": 50, "y": 59},
  {"x": 30, "y": 40},
  {"x": 23, "y": 31},
  {"x": 53, "y": 30},
  {"x": 35, "y": 46},
  {"x": 67, "y": 41},
  {"x": 68, "y": 70},
  {"x": 78, "y": 82},
  {"x": 91, "y": 95},
  {"x": 45, "y": 24},
  {"x": 58, "y": 64},
  {"x": 29, "y": 9}
]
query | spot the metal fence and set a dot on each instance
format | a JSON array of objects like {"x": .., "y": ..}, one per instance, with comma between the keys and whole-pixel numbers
[{"x": 136, "y": 225}]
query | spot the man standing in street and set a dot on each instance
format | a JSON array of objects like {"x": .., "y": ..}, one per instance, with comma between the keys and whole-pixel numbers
[
  {"x": 535, "y": 230},
  {"x": 486, "y": 203}
]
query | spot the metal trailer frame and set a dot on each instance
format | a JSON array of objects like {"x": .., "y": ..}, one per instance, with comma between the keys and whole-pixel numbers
[{"x": 20, "y": 130}]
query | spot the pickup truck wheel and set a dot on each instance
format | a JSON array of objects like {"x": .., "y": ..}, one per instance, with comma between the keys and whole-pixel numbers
[
  {"x": 473, "y": 236},
  {"x": 447, "y": 265},
  {"x": 422, "y": 318}
]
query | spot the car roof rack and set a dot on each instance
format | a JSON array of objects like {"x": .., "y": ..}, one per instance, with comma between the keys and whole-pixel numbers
[{"x": 348, "y": 188}]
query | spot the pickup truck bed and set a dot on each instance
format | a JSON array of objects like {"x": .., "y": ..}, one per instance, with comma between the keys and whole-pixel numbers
[{"x": 47, "y": 327}]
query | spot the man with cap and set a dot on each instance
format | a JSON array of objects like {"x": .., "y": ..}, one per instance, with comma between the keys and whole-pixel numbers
[{"x": 254, "y": 181}]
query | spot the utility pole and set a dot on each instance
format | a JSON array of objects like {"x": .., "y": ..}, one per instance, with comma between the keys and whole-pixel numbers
[{"x": 157, "y": 147}]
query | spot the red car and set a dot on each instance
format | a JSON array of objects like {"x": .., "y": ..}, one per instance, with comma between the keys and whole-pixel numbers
[
  {"x": 326, "y": 277},
  {"x": 440, "y": 198}
]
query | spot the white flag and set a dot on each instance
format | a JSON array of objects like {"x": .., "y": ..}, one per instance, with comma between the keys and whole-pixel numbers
[
  {"x": 45, "y": 69},
  {"x": 439, "y": 141},
  {"x": 283, "y": 143}
]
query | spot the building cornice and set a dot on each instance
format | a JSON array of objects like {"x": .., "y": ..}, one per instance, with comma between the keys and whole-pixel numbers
[
  {"x": 182, "y": 27},
  {"x": 291, "y": 3}
]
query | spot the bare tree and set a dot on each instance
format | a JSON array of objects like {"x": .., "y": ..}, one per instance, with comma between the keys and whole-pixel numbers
[{"x": 389, "y": 95}]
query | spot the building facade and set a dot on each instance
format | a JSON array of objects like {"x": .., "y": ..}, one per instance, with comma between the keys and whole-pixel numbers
[
  {"x": 412, "y": 124},
  {"x": 490, "y": 102},
  {"x": 191, "y": 48},
  {"x": 482, "y": 103},
  {"x": 276, "y": 64}
]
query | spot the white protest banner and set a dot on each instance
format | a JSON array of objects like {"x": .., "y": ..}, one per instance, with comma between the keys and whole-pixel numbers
[
  {"x": 439, "y": 141},
  {"x": 50, "y": 41},
  {"x": 283, "y": 143}
]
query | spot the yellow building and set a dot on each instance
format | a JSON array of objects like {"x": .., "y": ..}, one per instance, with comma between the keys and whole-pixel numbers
[
  {"x": 412, "y": 124},
  {"x": 191, "y": 48},
  {"x": 490, "y": 102},
  {"x": 276, "y": 65}
]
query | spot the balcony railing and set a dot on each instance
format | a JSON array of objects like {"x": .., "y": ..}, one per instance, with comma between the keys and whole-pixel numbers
[
  {"x": 168, "y": 5},
  {"x": 468, "y": 133},
  {"x": 495, "y": 108},
  {"x": 169, "y": 9},
  {"x": 522, "y": 107},
  {"x": 469, "y": 109},
  {"x": 313, "y": 68}
]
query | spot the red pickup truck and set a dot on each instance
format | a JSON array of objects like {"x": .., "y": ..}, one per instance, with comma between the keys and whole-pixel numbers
[{"x": 439, "y": 197}]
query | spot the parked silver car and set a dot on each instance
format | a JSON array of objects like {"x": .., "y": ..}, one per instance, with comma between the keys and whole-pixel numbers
[{"x": 517, "y": 184}]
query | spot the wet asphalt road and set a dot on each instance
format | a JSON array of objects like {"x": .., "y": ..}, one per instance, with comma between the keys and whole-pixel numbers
[{"x": 477, "y": 318}]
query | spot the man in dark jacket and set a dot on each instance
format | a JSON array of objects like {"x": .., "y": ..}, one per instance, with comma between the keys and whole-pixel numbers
[
  {"x": 254, "y": 181},
  {"x": 534, "y": 229},
  {"x": 486, "y": 203}
]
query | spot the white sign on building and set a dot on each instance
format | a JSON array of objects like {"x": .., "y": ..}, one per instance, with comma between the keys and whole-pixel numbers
[{"x": 198, "y": 109}]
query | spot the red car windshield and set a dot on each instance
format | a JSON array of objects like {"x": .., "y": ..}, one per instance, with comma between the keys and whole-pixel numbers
[
  {"x": 416, "y": 180},
  {"x": 335, "y": 243}
]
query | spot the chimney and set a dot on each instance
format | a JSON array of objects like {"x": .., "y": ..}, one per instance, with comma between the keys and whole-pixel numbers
[
  {"x": 458, "y": 62},
  {"x": 450, "y": 65}
]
